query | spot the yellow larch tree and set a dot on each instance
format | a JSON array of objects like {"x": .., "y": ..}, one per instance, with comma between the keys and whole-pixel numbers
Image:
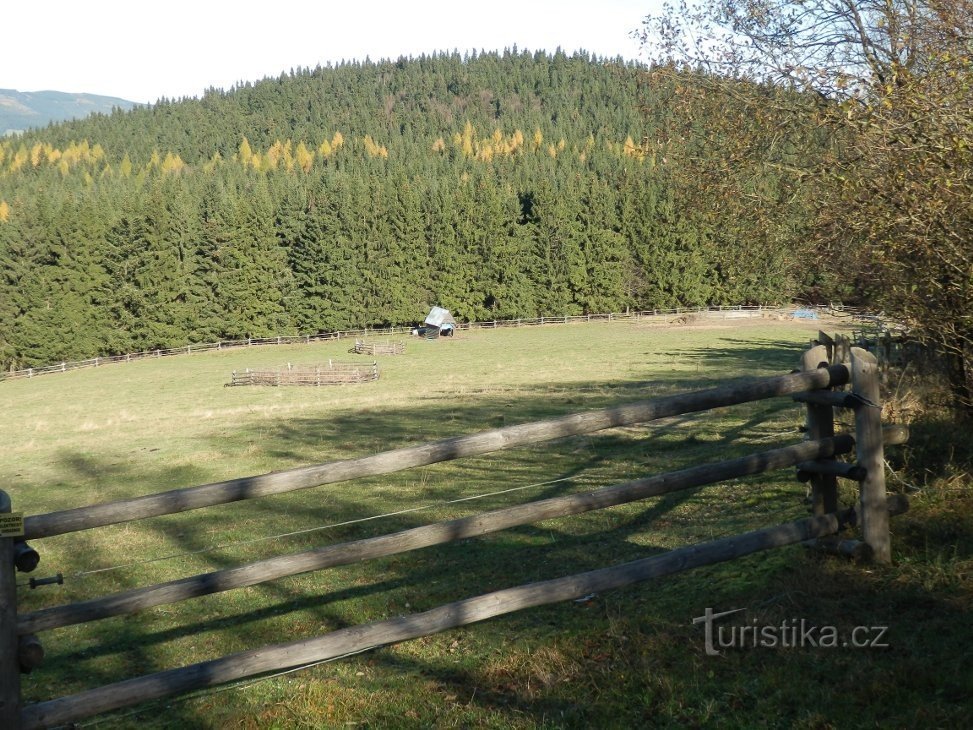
[
  {"x": 287, "y": 156},
  {"x": 304, "y": 157},
  {"x": 19, "y": 159},
  {"x": 517, "y": 141},
  {"x": 245, "y": 152},
  {"x": 172, "y": 164},
  {"x": 273, "y": 155},
  {"x": 374, "y": 149}
]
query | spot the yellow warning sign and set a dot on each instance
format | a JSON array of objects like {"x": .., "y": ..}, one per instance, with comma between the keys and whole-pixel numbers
[{"x": 12, "y": 524}]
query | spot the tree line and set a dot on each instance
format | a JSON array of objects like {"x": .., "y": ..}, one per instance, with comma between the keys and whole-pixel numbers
[{"x": 497, "y": 185}]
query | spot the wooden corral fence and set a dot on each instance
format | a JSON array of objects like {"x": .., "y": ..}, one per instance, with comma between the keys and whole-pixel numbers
[
  {"x": 388, "y": 347},
  {"x": 674, "y": 315},
  {"x": 334, "y": 373},
  {"x": 818, "y": 383}
]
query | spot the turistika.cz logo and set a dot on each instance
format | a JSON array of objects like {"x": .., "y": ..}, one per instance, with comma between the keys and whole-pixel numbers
[{"x": 788, "y": 634}]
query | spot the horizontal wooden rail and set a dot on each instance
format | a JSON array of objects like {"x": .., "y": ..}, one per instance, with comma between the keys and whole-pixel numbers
[
  {"x": 353, "y": 639},
  {"x": 837, "y": 399},
  {"x": 180, "y": 500},
  {"x": 132, "y": 601},
  {"x": 806, "y": 470}
]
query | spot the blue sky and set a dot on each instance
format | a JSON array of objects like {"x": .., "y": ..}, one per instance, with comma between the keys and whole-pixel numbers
[{"x": 142, "y": 50}]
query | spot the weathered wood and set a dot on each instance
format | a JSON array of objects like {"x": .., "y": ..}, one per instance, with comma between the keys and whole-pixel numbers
[
  {"x": 842, "y": 350},
  {"x": 336, "y": 373},
  {"x": 829, "y": 398},
  {"x": 10, "y": 706},
  {"x": 896, "y": 504},
  {"x": 26, "y": 559},
  {"x": 870, "y": 455},
  {"x": 378, "y": 348},
  {"x": 825, "y": 339},
  {"x": 380, "y": 633},
  {"x": 180, "y": 500},
  {"x": 820, "y": 425},
  {"x": 854, "y": 549},
  {"x": 808, "y": 469},
  {"x": 419, "y": 537}
]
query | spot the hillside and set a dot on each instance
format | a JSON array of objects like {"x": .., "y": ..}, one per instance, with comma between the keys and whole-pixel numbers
[
  {"x": 498, "y": 185},
  {"x": 21, "y": 110}
]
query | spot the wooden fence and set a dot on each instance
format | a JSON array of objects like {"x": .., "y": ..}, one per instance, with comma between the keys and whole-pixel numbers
[
  {"x": 817, "y": 384},
  {"x": 378, "y": 348},
  {"x": 649, "y": 316},
  {"x": 333, "y": 373}
]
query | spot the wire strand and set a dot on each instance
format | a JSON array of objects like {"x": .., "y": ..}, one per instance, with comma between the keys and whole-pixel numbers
[
  {"x": 318, "y": 528},
  {"x": 233, "y": 686}
]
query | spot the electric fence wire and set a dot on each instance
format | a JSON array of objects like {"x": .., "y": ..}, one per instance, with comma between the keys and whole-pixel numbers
[
  {"x": 86, "y": 573},
  {"x": 233, "y": 686}
]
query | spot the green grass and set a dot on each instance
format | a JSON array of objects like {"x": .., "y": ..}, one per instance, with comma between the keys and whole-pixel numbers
[{"x": 631, "y": 657}]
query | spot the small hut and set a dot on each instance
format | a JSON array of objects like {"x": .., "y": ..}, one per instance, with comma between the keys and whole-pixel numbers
[{"x": 439, "y": 322}]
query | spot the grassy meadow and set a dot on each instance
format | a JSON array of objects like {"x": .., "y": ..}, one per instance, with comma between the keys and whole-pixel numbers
[{"x": 628, "y": 658}]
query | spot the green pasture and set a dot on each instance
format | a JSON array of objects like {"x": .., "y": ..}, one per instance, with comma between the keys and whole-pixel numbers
[{"x": 625, "y": 659}]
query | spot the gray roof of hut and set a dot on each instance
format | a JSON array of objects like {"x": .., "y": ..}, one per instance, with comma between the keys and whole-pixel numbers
[{"x": 438, "y": 317}]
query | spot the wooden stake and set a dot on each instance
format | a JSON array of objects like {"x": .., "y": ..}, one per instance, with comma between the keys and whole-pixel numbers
[
  {"x": 820, "y": 425},
  {"x": 9, "y": 666},
  {"x": 870, "y": 453}
]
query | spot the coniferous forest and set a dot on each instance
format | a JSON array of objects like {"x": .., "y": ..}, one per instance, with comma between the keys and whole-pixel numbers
[{"x": 497, "y": 185}]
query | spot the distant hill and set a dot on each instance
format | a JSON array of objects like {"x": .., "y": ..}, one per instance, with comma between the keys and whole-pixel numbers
[{"x": 20, "y": 110}]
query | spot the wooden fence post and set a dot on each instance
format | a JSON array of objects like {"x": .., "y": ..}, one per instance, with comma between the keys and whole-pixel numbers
[
  {"x": 10, "y": 703},
  {"x": 820, "y": 425},
  {"x": 870, "y": 453}
]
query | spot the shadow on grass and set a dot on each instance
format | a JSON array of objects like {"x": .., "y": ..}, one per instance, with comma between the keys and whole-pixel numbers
[
  {"x": 748, "y": 356},
  {"x": 427, "y": 578}
]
